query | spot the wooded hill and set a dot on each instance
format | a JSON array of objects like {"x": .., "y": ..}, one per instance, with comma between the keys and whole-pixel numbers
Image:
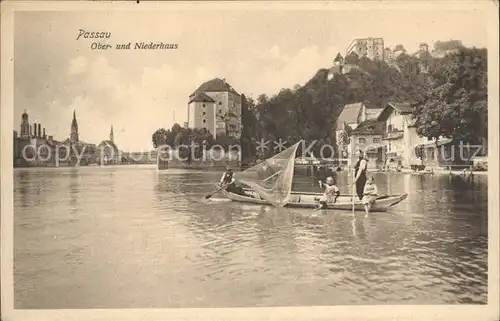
[{"x": 449, "y": 94}]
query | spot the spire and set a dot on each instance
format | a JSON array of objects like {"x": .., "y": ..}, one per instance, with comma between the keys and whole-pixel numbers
[
  {"x": 111, "y": 135},
  {"x": 74, "y": 128}
]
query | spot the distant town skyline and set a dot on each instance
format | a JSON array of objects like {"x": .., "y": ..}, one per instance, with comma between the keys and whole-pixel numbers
[{"x": 257, "y": 52}]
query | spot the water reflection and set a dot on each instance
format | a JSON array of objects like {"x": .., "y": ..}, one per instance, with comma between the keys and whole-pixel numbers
[
  {"x": 358, "y": 227},
  {"x": 141, "y": 238},
  {"x": 74, "y": 186}
]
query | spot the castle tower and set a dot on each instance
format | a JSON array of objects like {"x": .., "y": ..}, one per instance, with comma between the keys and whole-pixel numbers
[
  {"x": 25, "y": 126},
  {"x": 74, "y": 129},
  {"x": 111, "y": 135}
]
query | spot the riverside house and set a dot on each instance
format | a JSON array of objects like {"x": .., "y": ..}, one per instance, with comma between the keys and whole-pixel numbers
[
  {"x": 405, "y": 147},
  {"x": 367, "y": 137},
  {"x": 351, "y": 117}
]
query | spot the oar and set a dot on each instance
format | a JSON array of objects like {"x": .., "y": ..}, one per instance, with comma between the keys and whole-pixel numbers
[{"x": 214, "y": 192}]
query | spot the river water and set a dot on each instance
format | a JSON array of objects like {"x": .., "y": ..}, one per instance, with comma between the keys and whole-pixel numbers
[{"x": 133, "y": 237}]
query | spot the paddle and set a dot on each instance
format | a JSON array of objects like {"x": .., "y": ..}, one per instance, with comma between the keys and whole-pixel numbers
[{"x": 214, "y": 192}]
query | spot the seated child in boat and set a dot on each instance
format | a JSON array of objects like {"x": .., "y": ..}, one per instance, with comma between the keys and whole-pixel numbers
[
  {"x": 331, "y": 192},
  {"x": 370, "y": 194}
]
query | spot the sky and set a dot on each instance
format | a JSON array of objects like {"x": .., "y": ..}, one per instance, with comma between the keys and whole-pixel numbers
[{"x": 140, "y": 91}]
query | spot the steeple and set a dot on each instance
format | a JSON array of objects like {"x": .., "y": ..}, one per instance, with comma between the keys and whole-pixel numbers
[
  {"x": 111, "y": 135},
  {"x": 74, "y": 128},
  {"x": 25, "y": 126}
]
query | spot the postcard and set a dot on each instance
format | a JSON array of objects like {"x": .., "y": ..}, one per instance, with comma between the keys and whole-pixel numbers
[{"x": 249, "y": 160}]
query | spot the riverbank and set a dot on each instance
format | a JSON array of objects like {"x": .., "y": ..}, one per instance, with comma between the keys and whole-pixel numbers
[{"x": 436, "y": 171}]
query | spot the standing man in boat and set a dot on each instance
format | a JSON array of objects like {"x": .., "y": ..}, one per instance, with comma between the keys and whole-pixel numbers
[{"x": 360, "y": 174}]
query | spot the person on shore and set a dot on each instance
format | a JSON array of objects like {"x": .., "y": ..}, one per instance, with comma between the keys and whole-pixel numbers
[
  {"x": 330, "y": 194},
  {"x": 360, "y": 174},
  {"x": 228, "y": 180},
  {"x": 370, "y": 194}
]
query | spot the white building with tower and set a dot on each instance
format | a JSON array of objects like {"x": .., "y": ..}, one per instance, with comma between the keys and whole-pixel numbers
[{"x": 215, "y": 106}]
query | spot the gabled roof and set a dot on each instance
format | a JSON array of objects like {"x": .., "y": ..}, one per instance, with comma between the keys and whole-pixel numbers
[
  {"x": 201, "y": 98},
  {"x": 402, "y": 108},
  {"x": 372, "y": 113},
  {"x": 369, "y": 127},
  {"x": 338, "y": 57},
  {"x": 350, "y": 113},
  {"x": 215, "y": 85}
]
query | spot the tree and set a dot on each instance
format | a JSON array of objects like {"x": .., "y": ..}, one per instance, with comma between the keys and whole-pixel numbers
[
  {"x": 399, "y": 47},
  {"x": 455, "y": 103},
  {"x": 160, "y": 137},
  {"x": 248, "y": 122},
  {"x": 449, "y": 45}
]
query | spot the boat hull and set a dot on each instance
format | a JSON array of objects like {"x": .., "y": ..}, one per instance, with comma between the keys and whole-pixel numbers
[{"x": 307, "y": 200}]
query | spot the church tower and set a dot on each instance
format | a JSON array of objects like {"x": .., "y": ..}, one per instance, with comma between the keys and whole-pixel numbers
[
  {"x": 111, "y": 135},
  {"x": 74, "y": 129},
  {"x": 25, "y": 126}
]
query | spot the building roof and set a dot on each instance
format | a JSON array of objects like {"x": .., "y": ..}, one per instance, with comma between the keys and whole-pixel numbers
[
  {"x": 201, "y": 98},
  {"x": 350, "y": 113},
  {"x": 402, "y": 108},
  {"x": 352, "y": 58},
  {"x": 394, "y": 135},
  {"x": 372, "y": 113},
  {"x": 369, "y": 127},
  {"x": 215, "y": 85},
  {"x": 338, "y": 57}
]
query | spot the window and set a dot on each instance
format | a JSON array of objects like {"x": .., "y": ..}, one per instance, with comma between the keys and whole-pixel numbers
[
  {"x": 376, "y": 140},
  {"x": 362, "y": 140},
  {"x": 204, "y": 120},
  {"x": 204, "y": 113},
  {"x": 203, "y": 105},
  {"x": 389, "y": 128},
  {"x": 220, "y": 103}
]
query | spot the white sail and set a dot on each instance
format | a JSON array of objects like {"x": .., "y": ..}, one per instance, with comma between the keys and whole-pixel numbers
[{"x": 272, "y": 178}]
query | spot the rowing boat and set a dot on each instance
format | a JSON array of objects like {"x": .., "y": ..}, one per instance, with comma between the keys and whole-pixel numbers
[
  {"x": 307, "y": 200},
  {"x": 270, "y": 183}
]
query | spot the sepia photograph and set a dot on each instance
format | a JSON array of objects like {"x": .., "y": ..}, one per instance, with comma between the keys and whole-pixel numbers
[{"x": 314, "y": 160}]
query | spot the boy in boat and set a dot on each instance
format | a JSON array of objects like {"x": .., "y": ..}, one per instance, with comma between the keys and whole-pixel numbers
[
  {"x": 370, "y": 194},
  {"x": 331, "y": 193},
  {"x": 228, "y": 180}
]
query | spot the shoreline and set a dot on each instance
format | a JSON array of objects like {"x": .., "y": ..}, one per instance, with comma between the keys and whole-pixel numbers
[
  {"x": 218, "y": 168},
  {"x": 435, "y": 172}
]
